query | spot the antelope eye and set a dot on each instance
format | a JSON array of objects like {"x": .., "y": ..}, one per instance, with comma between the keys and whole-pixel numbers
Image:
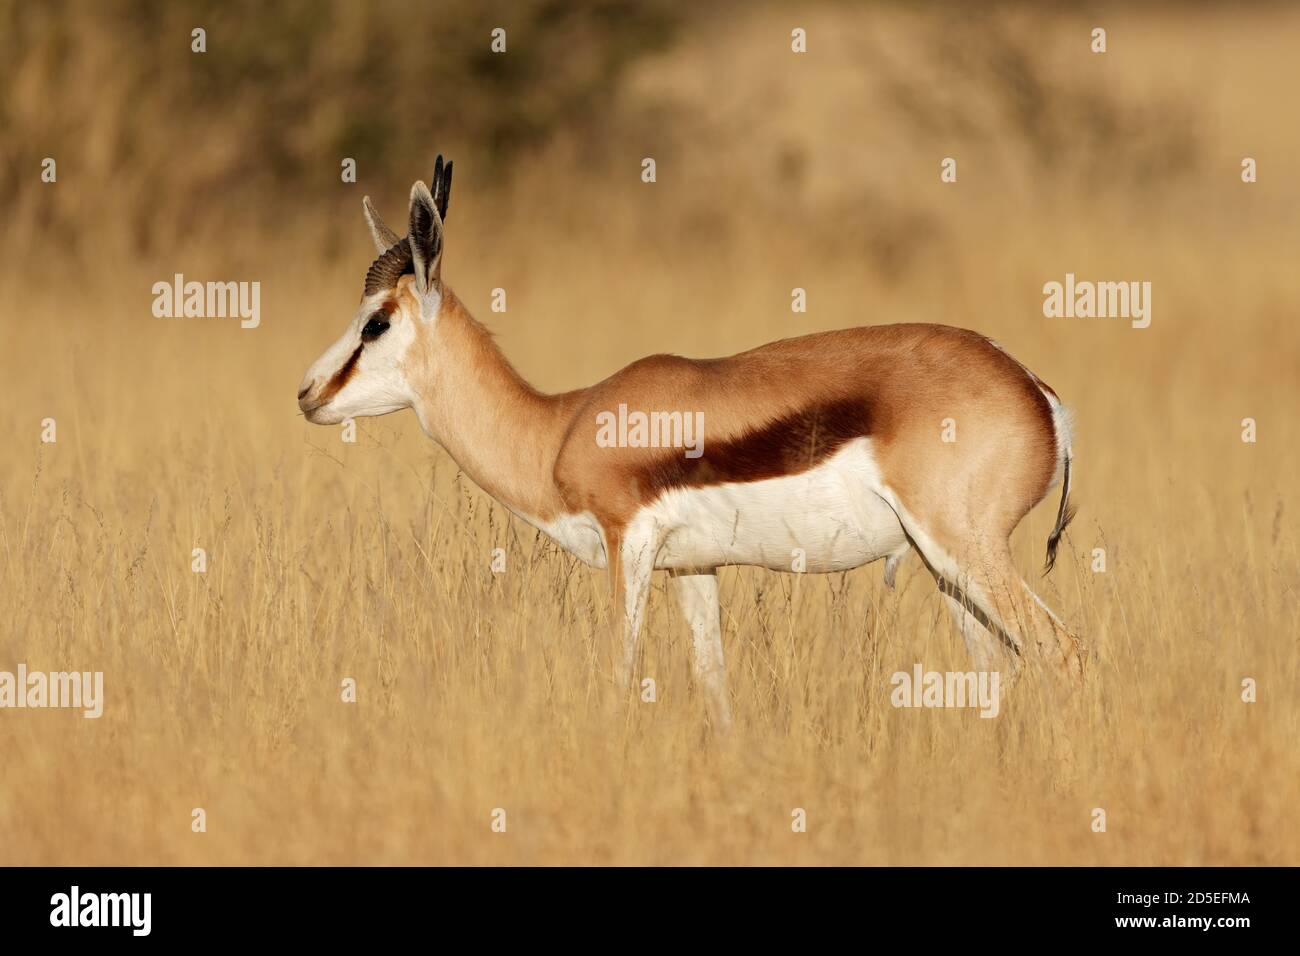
[{"x": 374, "y": 328}]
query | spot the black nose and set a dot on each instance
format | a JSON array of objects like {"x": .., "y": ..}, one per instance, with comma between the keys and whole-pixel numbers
[{"x": 304, "y": 392}]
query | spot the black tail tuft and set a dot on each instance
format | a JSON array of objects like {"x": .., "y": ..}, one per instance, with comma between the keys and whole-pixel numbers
[{"x": 1064, "y": 515}]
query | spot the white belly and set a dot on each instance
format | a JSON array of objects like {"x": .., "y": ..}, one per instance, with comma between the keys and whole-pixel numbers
[{"x": 828, "y": 518}]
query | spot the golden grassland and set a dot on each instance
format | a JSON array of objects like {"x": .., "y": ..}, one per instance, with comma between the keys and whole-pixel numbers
[{"x": 479, "y": 690}]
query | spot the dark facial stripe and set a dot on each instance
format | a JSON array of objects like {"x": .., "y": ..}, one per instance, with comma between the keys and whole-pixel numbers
[
  {"x": 341, "y": 376},
  {"x": 786, "y": 446}
]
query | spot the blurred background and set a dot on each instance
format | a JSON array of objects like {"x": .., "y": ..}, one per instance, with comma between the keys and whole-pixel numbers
[
  {"x": 775, "y": 170},
  {"x": 819, "y": 170}
]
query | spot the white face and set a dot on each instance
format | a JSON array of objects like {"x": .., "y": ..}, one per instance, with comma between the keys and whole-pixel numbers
[{"x": 361, "y": 374}]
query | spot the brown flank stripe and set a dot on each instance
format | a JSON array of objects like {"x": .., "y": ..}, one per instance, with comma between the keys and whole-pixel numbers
[{"x": 786, "y": 446}]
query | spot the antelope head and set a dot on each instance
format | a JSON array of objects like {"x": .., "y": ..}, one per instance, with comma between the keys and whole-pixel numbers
[{"x": 363, "y": 373}]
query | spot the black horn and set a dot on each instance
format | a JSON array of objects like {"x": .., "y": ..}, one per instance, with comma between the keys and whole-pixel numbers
[{"x": 441, "y": 186}]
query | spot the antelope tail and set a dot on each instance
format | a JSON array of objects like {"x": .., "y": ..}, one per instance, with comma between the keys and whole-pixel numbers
[{"x": 1064, "y": 515}]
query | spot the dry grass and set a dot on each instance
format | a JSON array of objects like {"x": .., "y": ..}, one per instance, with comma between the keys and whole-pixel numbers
[{"x": 480, "y": 691}]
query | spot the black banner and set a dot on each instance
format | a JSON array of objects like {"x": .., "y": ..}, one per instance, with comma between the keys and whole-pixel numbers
[{"x": 334, "y": 906}]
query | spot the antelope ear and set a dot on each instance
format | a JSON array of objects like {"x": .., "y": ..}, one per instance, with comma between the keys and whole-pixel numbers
[
  {"x": 426, "y": 239},
  {"x": 384, "y": 237}
]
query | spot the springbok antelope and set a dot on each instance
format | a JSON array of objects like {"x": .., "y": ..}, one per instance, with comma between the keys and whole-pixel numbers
[{"x": 831, "y": 444}]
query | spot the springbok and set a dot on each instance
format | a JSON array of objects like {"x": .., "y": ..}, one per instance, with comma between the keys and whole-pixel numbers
[{"x": 830, "y": 450}]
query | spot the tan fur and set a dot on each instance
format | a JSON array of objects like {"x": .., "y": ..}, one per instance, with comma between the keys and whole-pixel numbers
[
  {"x": 769, "y": 413},
  {"x": 499, "y": 429},
  {"x": 878, "y": 406},
  {"x": 538, "y": 453}
]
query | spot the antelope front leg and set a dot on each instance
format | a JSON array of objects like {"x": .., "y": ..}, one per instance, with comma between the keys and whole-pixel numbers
[
  {"x": 630, "y": 573},
  {"x": 697, "y": 595}
]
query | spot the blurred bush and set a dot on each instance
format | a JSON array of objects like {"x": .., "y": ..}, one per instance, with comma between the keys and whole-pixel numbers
[{"x": 149, "y": 132}]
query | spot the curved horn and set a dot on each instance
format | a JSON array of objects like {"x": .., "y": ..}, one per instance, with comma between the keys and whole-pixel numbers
[
  {"x": 395, "y": 262},
  {"x": 384, "y": 237}
]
